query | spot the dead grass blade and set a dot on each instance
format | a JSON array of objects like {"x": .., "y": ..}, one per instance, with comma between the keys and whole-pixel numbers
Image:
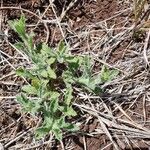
[{"x": 138, "y": 8}]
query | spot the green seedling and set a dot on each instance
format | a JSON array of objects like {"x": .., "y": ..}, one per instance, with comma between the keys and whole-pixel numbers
[{"x": 52, "y": 75}]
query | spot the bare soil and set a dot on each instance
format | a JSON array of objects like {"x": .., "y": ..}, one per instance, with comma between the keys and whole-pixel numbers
[{"x": 89, "y": 26}]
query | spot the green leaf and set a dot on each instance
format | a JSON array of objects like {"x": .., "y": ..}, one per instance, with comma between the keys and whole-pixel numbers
[
  {"x": 29, "y": 89},
  {"x": 54, "y": 95},
  {"x": 54, "y": 105},
  {"x": 56, "y": 129},
  {"x": 98, "y": 90},
  {"x": 108, "y": 75},
  {"x": 51, "y": 95},
  {"x": 61, "y": 122},
  {"x": 44, "y": 73},
  {"x": 51, "y": 60},
  {"x": 58, "y": 134},
  {"x": 62, "y": 47},
  {"x": 84, "y": 81},
  {"x": 72, "y": 59},
  {"x": 70, "y": 112},
  {"x": 19, "y": 45},
  {"x": 38, "y": 47},
  {"x": 70, "y": 127},
  {"x": 60, "y": 59},
  {"x": 61, "y": 52},
  {"x": 68, "y": 77},
  {"x": 67, "y": 110},
  {"x": 46, "y": 50},
  {"x": 36, "y": 83},
  {"x": 28, "y": 105},
  {"x": 113, "y": 74},
  {"x": 46, "y": 95},
  {"x": 41, "y": 132},
  {"x": 68, "y": 95},
  {"x": 22, "y": 99},
  {"x": 19, "y": 26},
  {"x": 74, "y": 62},
  {"x": 67, "y": 126},
  {"x": 24, "y": 73},
  {"x": 87, "y": 67},
  {"x": 30, "y": 42},
  {"x": 51, "y": 73},
  {"x": 48, "y": 121}
]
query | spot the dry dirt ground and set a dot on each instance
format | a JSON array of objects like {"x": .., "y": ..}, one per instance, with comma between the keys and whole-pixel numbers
[{"x": 103, "y": 28}]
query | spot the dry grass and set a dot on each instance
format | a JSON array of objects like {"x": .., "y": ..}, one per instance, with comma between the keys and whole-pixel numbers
[{"x": 122, "y": 114}]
